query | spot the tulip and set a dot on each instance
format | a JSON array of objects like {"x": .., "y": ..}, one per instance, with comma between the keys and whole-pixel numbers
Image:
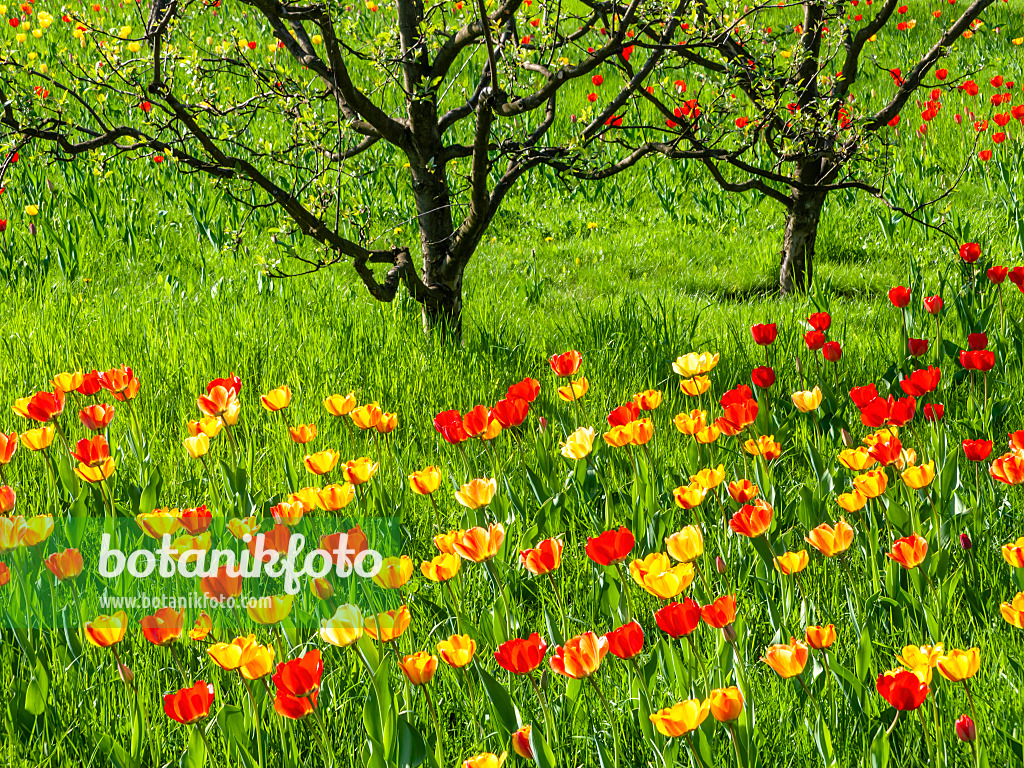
[
  {"x": 690, "y": 496},
  {"x": 721, "y": 613},
  {"x": 611, "y": 547},
  {"x": 903, "y": 689},
  {"x": 39, "y": 439},
  {"x": 359, "y": 471},
  {"x": 197, "y": 446},
  {"x": 566, "y": 364},
  {"x": 105, "y": 631},
  {"x": 394, "y": 572},
  {"x": 217, "y": 402},
  {"x": 1013, "y": 612},
  {"x": 388, "y": 423},
  {"x": 821, "y": 637},
  {"x": 1007, "y": 469},
  {"x": 366, "y": 416},
  {"x": 302, "y": 433},
  {"x": 189, "y": 705},
  {"x": 323, "y": 462},
  {"x": 695, "y": 386},
  {"x": 269, "y": 610},
  {"x": 908, "y": 551},
  {"x": 294, "y": 707},
  {"x": 707, "y": 435},
  {"x": 321, "y": 588},
  {"x": 726, "y": 704},
  {"x": 336, "y": 497},
  {"x": 510, "y": 412},
  {"x": 686, "y": 545},
  {"x": 521, "y": 743},
  {"x": 832, "y": 351},
  {"x": 8, "y": 445},
  {"x": 899, "y": 296},
  {"x": 580, "y": 657},
  {"x": 574, "y": 390},
  {"x": 807, "y": 401},
  {"x": 642, "y": 431},
  {"x": 743, "y": 491},
  {"x": 11, "y": 531},
  {"x": 579, "y": 444},
  {"x": 425, "y": 481},
  {"x": 764, "y": 334},
  {"x": 871, "y": 484},
  {"x": 240, "y": 527},
  {"x": 159, "y": 522},
  {"x": 526, "y": 390},
  {"x": 957, "y": 665},
  {"x": 261, "y": 663},
  {"x": 7, "y": 499},
  {"x": 625, "y": 642},
  {"x": 520, "y": 657},
  {"x": 442, "y": 567},
  {"x": 763, "y": 377},
  {"x": 338, "y": 405},
  {"x": 752, "y": 520},
  {"x": 287, "y": 513},
  {"x": 920, "y": 476},
  {"x": 765, "y": 446},
  {"x": 276, "y": 399},
  {"x": 852, "y": 502},
  {"x": 220, "y": 585},
  {"x": 694, "y": 364},
  {"x": 787, "y": 660},
  {"x": 457, "y": 651},
  {"x": 37, "y": 530},
  {"x": 709, "y": 478},
  {"x": 231, "y": 656},
  {"x": 656, "y": 574},
  {"x": 648, "y": 400},
  {"x": 977, "y": 450},
  {"x": 65, "y": 565},
  {"x": 921, "y": 659},
  {"x": 965, "y": 730},
  {"x": 300, "y": 677},
  {"x": 208, "y": 425},
  {"x": 388, "y": 626},
  {"x": 791, "y": 562},
  {"x": 681, "y": 718},
  {"x": 477, "y": 493},
  {"x": 970, "y": 252},
  {"x": 480, "y": 544},
  {"x": 164, "y": 626},
  {"x": 545, "y": 558},
  {"x": 344, "y": 628},
  {"x": 856, "y": 459},
  {"x": 690, "y": 423},
  {"x": 485, "y": 760},
  {"x": 678, "y": 619},
  {"x": 418, "y": 668},
  {"x": 445, "y": 542},
  {"x": 96, "y": 417}
]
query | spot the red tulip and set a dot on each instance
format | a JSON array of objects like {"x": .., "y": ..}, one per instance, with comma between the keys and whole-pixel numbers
[
  {"x": 679, "y": 619},
  {"x": 917, "y": 347},
  {"x": 764, "y": 334},
  {"x": 476, "y": 421},
  {"x": 996, "y": 274},
  {"x": 899, "y": 296},
  {"x": 96, "y": 417},
  {"x": 978, "y": 360},
  {"x": 624, "y": 414},
  {"x": 92, "y": 452},
  {"x": 933, "y": 304},
  {"x": 977, "y": 341},
  {"x": 300, "y": 677},
  {"x": 831, "y": 351},
  {"x": 520, "y": 657},
  {"x": 163, "y": 627},
  {"x": 44, "y": 406},
  {"x": 232, "y": 383},
  {"x": 934, "y": 412},
  {"x": 903, "y": 689},
  {"x": 737, "y": 416},
  {"x": 820, "y": 321},
  {"x": 527, "y": 390},
  {"x": 611, "y": 547},
  {"x": 189, "y": 705},
  {"x": 449, "y": 425},
  {"x": 970, "y": 252},
  {"x": 510, "y": 412},
  {"x": 1016, "y": 276},
  {"x": 720, "y": 613},
  {"x": 735, "y": 396},
  {"x": 626, "y": 641},
  {"x": 922, "y": 381},
  {"x": 965, "y": 730},
  {"x": 567, "y": 363},
  {"x": 90, "y": 383},
  {"x": 195, "y": 521},
  {"x": 861, "y": 396},
  {"x": 814, "y": 340},
  {"x": 977, "y": 450},
  {"x": 763, "y": 377},
  {"x": 294, "y": 707}
]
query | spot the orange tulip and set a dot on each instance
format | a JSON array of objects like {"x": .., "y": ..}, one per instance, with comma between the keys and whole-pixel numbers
[
  {"x": 419, "y": 668},
  {"x": 8, "y": 445},
  {"x": 692, "y": 422},
  {"x": 821, "y": 637},
  {"x": 1013, "y": 612},
  {"x": 831, "y": 541},
  {"x": 871, "y": 484},
  {"x": 65, "y": 565},
  {"x": 388, "y": 423},
  {"x": 856, "y": 459},
  {"x": 792, "y": 562},
  {"x": 105, "y": 631},
  {"x": 394, "y": 572},
  {"x": 164, "y": 626},
  {"x": 302, "y": 433},
  {"x": 643, "y": 431},
  {"x": 480, "y": 544},
  {"x": 388, "y": 626},
  {"x": 710, "y": 478},
  {"x": 1013, "y": 554},
  {"x": 648, "y": 400},
  {"x": 726, "y": 704},
  {"x": 1007, "y": 469},
  {"x": 477, "y": 493},
  {"x": 681, "y": 718},
  {"x": 339, "y": 405},
  {"x": 425, "y": 481},
  {"x": 442, "y": 567},
  {"x": 743, "y": 491},
  {"x": 367, "y": 416},
  {"x": 909, "y": 551},
  {"x": 359, "y": 471},
  {"x": 787, "y": 660},
  {"x": 544, "y": 558},
  {"x": 580, "y": 657},
  {"x": 277, "y": 399},
  {"x": 690, "y": 496},
  {"x": 752, "y": 520},
  {"x": 335, "y": 497},
  {"x": 323, "y": 462}
]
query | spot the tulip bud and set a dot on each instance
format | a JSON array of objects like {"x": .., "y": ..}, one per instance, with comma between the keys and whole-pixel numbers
[
  {"x": 965, "y": 730},
  {"x": 127, "y": 676},
  {"x": 49, "y": 186},
  {"x": 847, "y": 437},
  {"x": 543, "y": 423},
  {"x": 720, "y": 565},
  {"x": 965, "y": 542},
  {"x": 729, "y": 631},
  {"x": 572, "y": 118},
  {"x": 32, "y": 229}
]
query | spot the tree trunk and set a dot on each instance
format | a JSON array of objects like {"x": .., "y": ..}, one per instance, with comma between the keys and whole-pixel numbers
[
  {"x": 443, "y": 313},
  {"x": 798, "y": 241}
]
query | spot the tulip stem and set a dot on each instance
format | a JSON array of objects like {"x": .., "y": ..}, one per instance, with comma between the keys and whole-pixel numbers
[
  {"x": 206, "y": 743},
  {"x": 735, "y": 743},
  {"x": 324, "y": 742},
  {"x": 893, "y": 723},
  {"x": 693, "y": 749},
  {"x": 477, "y": 728},
  {"x": 549, "y": 723},
  {"x": 624, "y": 579},
  {"x": 439, "y": 748},
  {"x": 255, "y": 720},
  {"x": 561, "y": 607},
  {"x": 612, "y": 722}
]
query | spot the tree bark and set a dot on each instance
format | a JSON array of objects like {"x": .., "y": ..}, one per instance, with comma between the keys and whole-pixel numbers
[{"x": 798, "y": 241}]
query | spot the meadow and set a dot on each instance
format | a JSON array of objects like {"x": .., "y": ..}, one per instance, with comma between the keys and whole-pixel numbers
[{"x": 137, "y": 264}]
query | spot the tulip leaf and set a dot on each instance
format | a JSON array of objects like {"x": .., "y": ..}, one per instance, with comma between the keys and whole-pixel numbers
[
  {"x": 543, "y": 757},
  {"x": 864, "y": 655},
  {"x": 604, "y": 759},
  {"x": 823, "y": 741},
  {"x": 879, "y": 754},
  {"x": 231, "y": 721},
  {"x": 151, "y": 494},
  {"x": 412, "y": 751},
  {"x": 114, "y": 753},
  {"x": 195, "y": 755},
  {"x": 79, "y": 513},
  {"x": 508, "y": 716},
  {"x": 38, "y": 688}
]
